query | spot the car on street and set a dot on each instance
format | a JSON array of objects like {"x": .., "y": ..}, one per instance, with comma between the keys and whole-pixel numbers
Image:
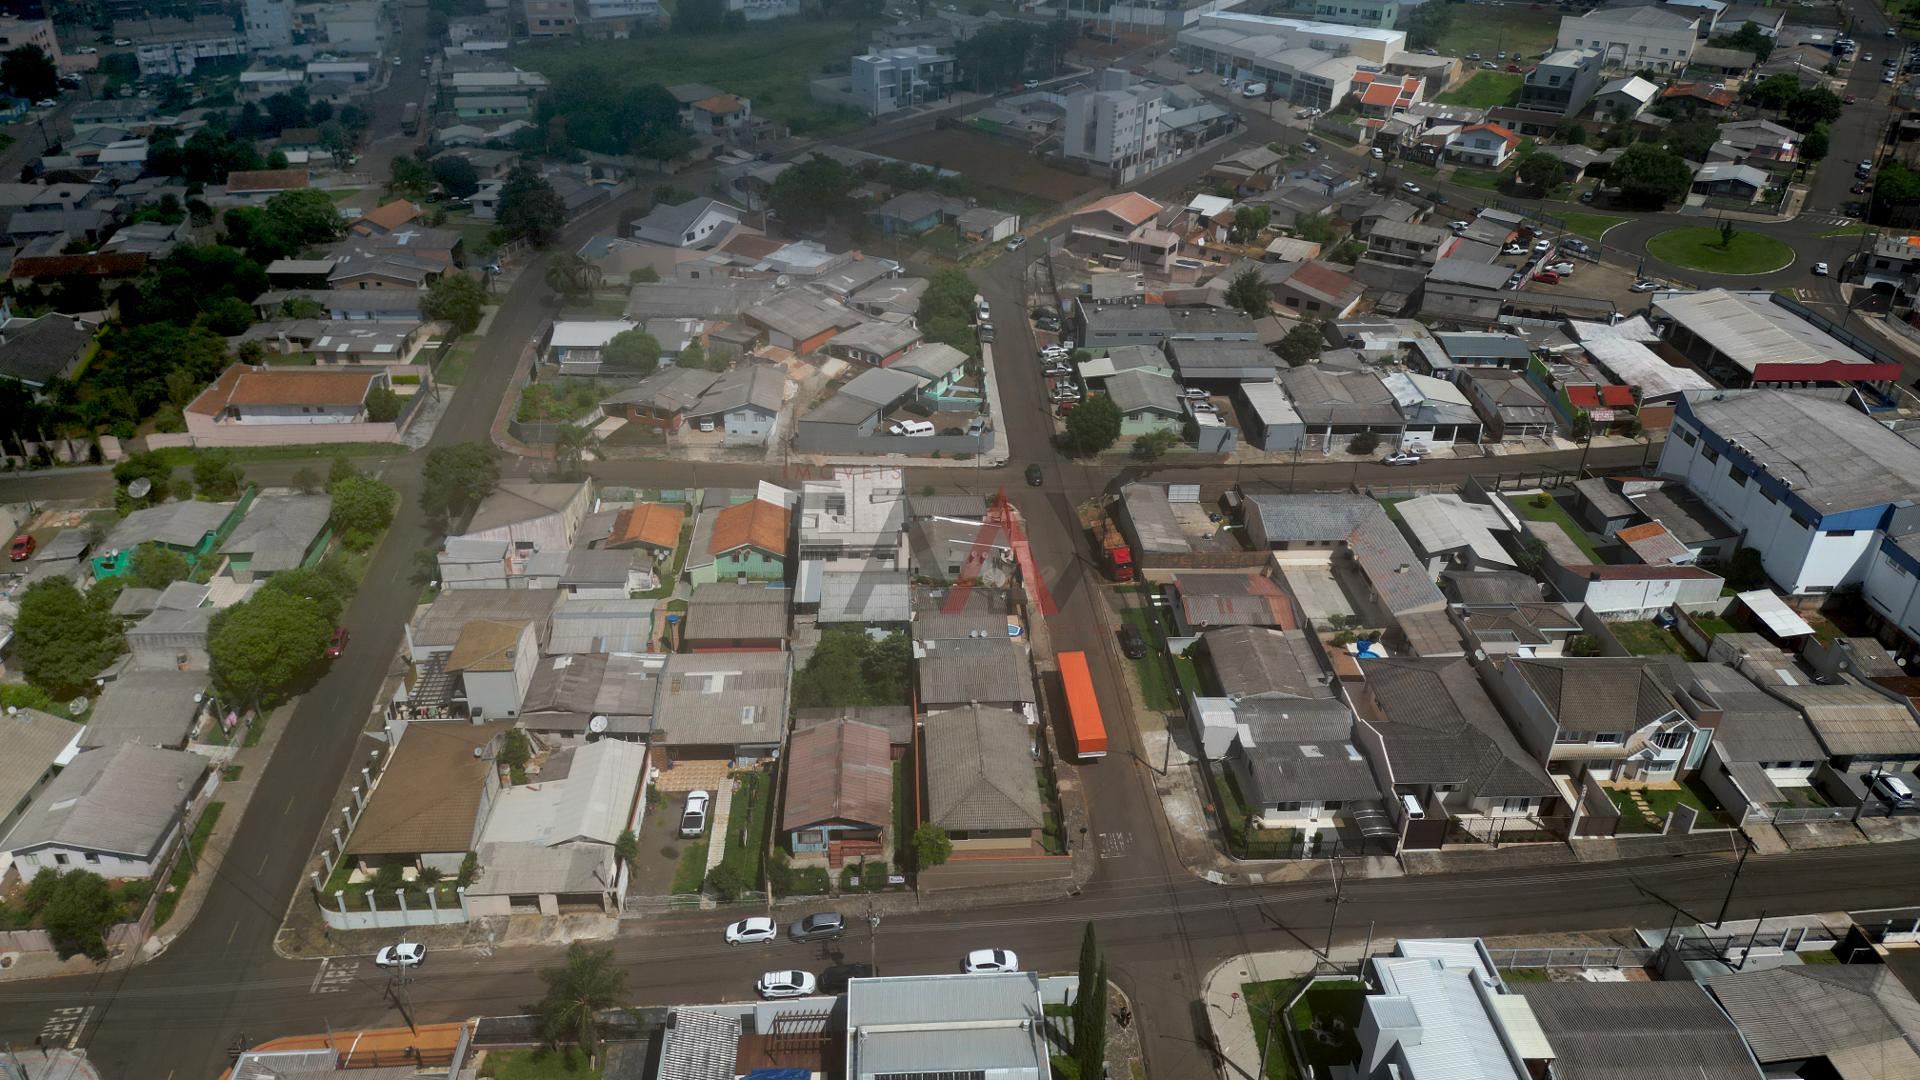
[
  {"x": 1377, "y": 154},
  {"x": 1858, "y": 189},
  {"x": 693, "y": 815},
  {"x": 1580, "y": 246},
  {"x": 1400, "y": 457},
  {"x": 1015, "y": 243},
  {"x": 1586, "y": 196},
  {"x": 1030, "y": 84},
  {"x": 1887, "y": 78},
  {"x": 819, "y": 926},
  {"x": 86, "y": 50},
  {"x": 984, "y": 331},
  {"x": 1488, "y": 65},
  {"x": 1820, "y": 269},
  {"x": 1370, "y": 173},
  {"x": 1196, "y": 71},
  {"x": 1203, "y": 407},
  {"x": 402, "y": 954},
  {"x": 1459, "y": 226},
  {"x": 1867, "y": 57},
  {"x": 338, "y": 643},
  {"x": 757, "y": 930},
  {"x": 1194, "y": 393},
  {"x": 1035, "y": 476},
  {"x": 1131, "y": 642},
  {"x": 1409, "y": 187},
  {"x": 1310, "y": 146},
  {"x": 785, "y": 984},
  {"x": 121, "y": 42},
  {"x": 1473, "y": 56},
  {"x": 1645, "y": 285},
  {"x": 45, "y": 103},
  {"x": 984, "y": 961},
  {"x": 1513, "y": 68},
  {"x": 22, "y": 547},
  {"x": 1226, "y": 80}
]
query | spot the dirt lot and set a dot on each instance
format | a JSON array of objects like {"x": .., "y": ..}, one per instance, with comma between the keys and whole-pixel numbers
[{"x": 989, "y": 160}]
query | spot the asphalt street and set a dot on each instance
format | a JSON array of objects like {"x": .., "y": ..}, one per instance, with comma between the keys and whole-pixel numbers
[{"x": 1163, "y": 929}]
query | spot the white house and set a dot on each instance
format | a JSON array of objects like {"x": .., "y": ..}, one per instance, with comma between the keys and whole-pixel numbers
[
  {"x": 1609, "y": 715},
  {"x": 1652, "y": 38},
  {"x": 1114, "y": 127},
  {"x": 1625, "y": 97},
  {"x": 575, "y": 344},
  {"x": 1485, "y": 145},
  {"x": 696, "y": 223},
  {"x": 115, "y": 811},
  {"x": 886, "y": 80}
]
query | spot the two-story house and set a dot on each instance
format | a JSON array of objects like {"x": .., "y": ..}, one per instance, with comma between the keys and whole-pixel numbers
[
  {"x": 697, "y": 223},
  {"x": 1563, "y": 82},
  {"x": 1613, "y": 717},
  {"x": 1121, "y": 230},
  {"x": 1486, "y": 145},
  {"x": 886, "y": 80}
]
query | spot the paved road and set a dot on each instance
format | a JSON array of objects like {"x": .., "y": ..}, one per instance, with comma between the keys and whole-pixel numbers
[{"x": 1164, "y": 930}]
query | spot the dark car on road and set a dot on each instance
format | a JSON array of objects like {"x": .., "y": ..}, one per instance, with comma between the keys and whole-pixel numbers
[
  {"x": 1035, "y": 476},
  {"x": 819, "y": 926},
  {"x": 1132, "y": 642}
]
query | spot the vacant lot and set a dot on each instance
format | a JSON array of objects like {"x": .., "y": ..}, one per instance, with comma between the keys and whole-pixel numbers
[
  {"x": 770, "y": 64},
  {"x": 1485, "y": 90},
  {"x": 986, "y": 160},
  {"x": 1495, "y": 28}
]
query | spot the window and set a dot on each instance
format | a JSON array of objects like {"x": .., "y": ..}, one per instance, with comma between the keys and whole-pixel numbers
[
  {"x": 1608, "y": 738},
  {"x": 1516, "y": 806},
  {"x": 1771, "y": 497},
  {"x": 1686, "y": 436},
  {"x": 1841, "y": 532},
  {"x": 1710, "y": 454},
  {"x": 92, "y": 858},
  {"x": 59, "y": 859},
  {"x": 1670, "y": 740},
  {"x": 1738, "y": 476},
  {"x": 1800, "y": 521},
  {"x": 1567, "y": 736}
]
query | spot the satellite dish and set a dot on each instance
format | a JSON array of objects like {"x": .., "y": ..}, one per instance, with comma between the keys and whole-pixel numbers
[
  {"x": 77, "y": 705},
  {"x": 139, "y": 488},
  {"x": 597, "y": 725}
]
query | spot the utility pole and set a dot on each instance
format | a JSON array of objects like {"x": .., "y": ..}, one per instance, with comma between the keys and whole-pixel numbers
[
  {"x": 1333, "y": 860},
  {"x": 873, "y": 933},
  {"x": 1727, "y": 901},
  {"x": 1266, "y": 1046}
]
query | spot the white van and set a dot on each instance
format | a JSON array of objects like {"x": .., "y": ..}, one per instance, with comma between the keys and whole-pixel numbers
[{"x": 916, "y": 428}]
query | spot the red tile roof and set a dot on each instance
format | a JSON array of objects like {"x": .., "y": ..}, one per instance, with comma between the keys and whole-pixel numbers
[
  {"x": 719, "y": 103},
  {"x": 1496, "y": 130},
  {"x": 756, "y": 521},
  {"x": 838, "y": 771},
  {"x": 243, "y": 385},
  {"x": 1129, "y": 206},
  {"x": 653, "y": 524},
  {"x": 1699, "y": 92},
  {"x": 1588, "y": 396},
  {"x": 99, "y": 264},
  {"x": 390, "y": 216}
]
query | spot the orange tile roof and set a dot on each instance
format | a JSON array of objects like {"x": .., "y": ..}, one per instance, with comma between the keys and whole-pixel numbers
[
  {"x": 391, "y": 216},
  {"x": 1639, "y": 532},
  {"x": 653, "y": 524},
  {"x": 756, "y": 522},
  {"x": 98, "y": 264},
  {"x": 243, "y": 385},
  {"x": 1494, "y": 129},
  {"x": 1129, "y": 206},
  {"x": 267, "y": 180},
  {"x": 719, "y": 103},
  {"x": 1380, "y": 94}
]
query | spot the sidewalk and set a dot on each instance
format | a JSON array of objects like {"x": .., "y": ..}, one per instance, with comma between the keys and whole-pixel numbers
[{"x": 1235, "y": 1042}]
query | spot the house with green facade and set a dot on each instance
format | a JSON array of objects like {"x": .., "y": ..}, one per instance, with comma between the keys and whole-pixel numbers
[
  {"x": 748, "y": 539},
  {"x": 280, "y": 532},
  {"x": 191, "y": 529},
  {"x": 940, "y": 364},
  {"x": 1147, "y": 401}
]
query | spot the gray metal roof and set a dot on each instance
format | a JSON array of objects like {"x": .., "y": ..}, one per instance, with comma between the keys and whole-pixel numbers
[
  {"x": 1749, "y": 331},
  {"x": 732, "y": 611},
  {"x": 1302, "y": 749},
  {"x": 937, "y": 1024},
  {"x": 440, "y": 625},
  {"x": 980, "y": 770},
  {"x": 930, "y": 360},
  {"x": 34, "y": 741},
  {"x": 123, "y": 800},
  {"x": 1140, "y": 391},
  {"x": 591, "y": 626},
  {"x": 671, "y": 388},
  {"x": 1484, "y": 346},
  {"x": 1836, "y": 457},
  {"x": 1377, "y": 546},
  {"x": 722, "y": 699},
  {"x": 702, "y": 1044},
  {"x": 525, "y": 868},
  {"x": 1256, "y": 660},
  {"x": 1490, "y": 586},
  {"x": 957, "y": 671},
  {"x": 1152, "y": 518},
  {"x": 757, "y": 386},
  {"x": 1638, "y": 1031},
  {"x": 1441, "y": 727},
  {"x": 1813, "y": 1010},
  {"x": 1340, "y": 397},
  {"x": 695, "y": 299},
  {"x": 1852, "y": 719},
  {"x": 1247, "y": 360},
  {"x": 180, "y": 524},
  {"x": 149, "y": 706},
  {"x": 865, "y": 596},
  {"x": 278, "y": 531}
]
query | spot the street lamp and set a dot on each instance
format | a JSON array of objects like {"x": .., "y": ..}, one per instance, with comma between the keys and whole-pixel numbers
[{"x": 873, "y": 933}]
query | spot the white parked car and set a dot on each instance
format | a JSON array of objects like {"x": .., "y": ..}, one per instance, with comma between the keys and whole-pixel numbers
[
  {"x": 1400, "y": 458},
  {"x": 785, "y": 984},
  {"x": 1377, "y": 154},
  {"x": 1541, "y": 247},
  {"x": 1820, "y": 269},
  {"x": 1892, "y": 790},
  {"x": 1564, "y": 269},
  {"x": 693, "y": 815},
  {"x": 404, "y": 954},
  {"x": 983, "y": 961},
  {"x": 1459, "y": 226},
  {"x": 1645, "y": 285},
  {"x": 1254, "y": 90},
  {"x": 1409, "y": 187},
  {"x": 1194, "y": 393},
  {"x": 755, "y": 931},
  {"x": 1202, "y": 406}
]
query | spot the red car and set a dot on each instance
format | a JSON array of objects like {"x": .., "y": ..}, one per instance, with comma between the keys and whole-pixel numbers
[
  {"x": 22, "y": 548},
  {"x": 1849, "y": 99},
  {"x": 339, "y": 643},
  {"x": 1064, "y": 408},
  {"x": 1547, "y": 277}
]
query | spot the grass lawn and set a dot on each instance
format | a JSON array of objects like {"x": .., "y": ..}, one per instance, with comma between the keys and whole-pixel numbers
[
  {"x": 178, "y": 456},
  {"x": 1507, "y": 28},
  {"x": 770, "y": 64},
  {"x": 1644, "y": 637},
  {"x": 1326, "y": 1025},
  {"x": 1524, "y": 506},
  {"x": 1188, "y": 674},
  {"x": 183, "y": 869},
  {"x": 1260, "y": 999},
  {"x": 538, "y": 1064},
  {"x": 1156, "y": 685},
  {"x": 1485, "y": 90},
  {"x": 1591, "y": 226},
  {"x": 747, "y": 822},
  {"x": 1480, "y": 178},
  {"x": 1714, "y": 624},
  {"x": 454, "y": 367},
  {"x": 692, "y": 871},
  {"x": 1699, "y": 249},
  {"x": 1662, "y": 801}
]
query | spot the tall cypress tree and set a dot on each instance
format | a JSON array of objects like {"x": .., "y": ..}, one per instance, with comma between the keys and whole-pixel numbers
[
  {"x": 1090, "y": 1034},
  {"x": 1089, "y": 968}
]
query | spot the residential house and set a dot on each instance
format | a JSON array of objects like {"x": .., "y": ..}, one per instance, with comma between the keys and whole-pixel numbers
[
  {"x": 993, "y": 670},
  {"x": 985, "y": 225},
  {"x": 1147, "y": 403},
  {"x": 876, "y": 343},
  {"x": 1561, "y": 83},
  {"x": 1762, "y": 143},
  {"x": 721, "y": 116},
  {"x": 1407, "y": 244},
  {"x": 743, "y": 404},
  {"x": 1513, "y": 410},
  {"x": 550, "y": 18},
  {"x": 1862, "y": 727},
  {"x": 801, "y": 321},
  {"x": 942, "y": 365},
  {"x": 1203, "y": 602},
  {"x": 106, "y": 267},
  {"x": 661, "y": 400},
  {"x": 173, "y": 633},
  {"x": 887, "y": 80},
  {"x": 1651, "y": 38},
  {"x": 299, "y": 405},
  {"x": 1121, "y": 230},
  {"x": 427, "y": 811},
  {"x": 257, "y": 186},
  {"x": 1612, "y": 718},
  {"x": 116, "y": 811},
  {"x": 728, "y": 706},
  {"x": 1214, "y": 365},
  {"x": 1446, "y": 740},
  {"x": 854, "y": 412},
  {"x": 37, "y": 744},
  {"x": 575, "y": 345},
  {"x": 155, "y": 707},
  {"x": 1485, "y": 145},
  {"x": 491, "y": 666},
  {"x": 595, "y": 670},
  {"x": 1760, "y": 745},
  {"x": 1727, "y": 180},
  {"x": 1441, "y": 1009},
  {"x": 727, "y": 616},
  {"x": 1835, "y": 1019},
  {"x": 1699, "y": 95},
  {"x": 1315, "y": 288},
  {"x": 1298, "y": 763},
  {"x": 1333, "y": 406},
  {"x": 700, "y": 224},
  {"x": 1677, "y": 1024},
  {"x": 979, "y": 780},
  {"x": 649, "y": 529},
  {"x": 745, "y": 540},
  {"x": 379, "y": 305},
  {"x": 34, "y": 352},
  {"x": 1623, "y": 99},
  {"x": 1450, "y": 533},
  {"x": 280, "y": 532},
  {"x": 839, "y": 793},
  {"x": 191, "y": 530},
  {"x": 854, "y": 519},
  {"x": 548, "y": 847},
  {"x": 1326, "y": 527},
  {"x": 911, "y": 213},
  {"x": 1113, "y": 127},
  {"x": 927, "y": 1024},
  {"x": 526, "y": 518}
]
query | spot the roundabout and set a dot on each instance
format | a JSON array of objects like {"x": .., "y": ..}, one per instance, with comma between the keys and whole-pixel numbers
[{"x": 1700, "y": 248}]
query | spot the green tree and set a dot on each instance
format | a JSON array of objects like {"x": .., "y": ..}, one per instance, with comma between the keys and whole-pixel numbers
[
  {"x": 408, "y": 176},
  {"x": 228, "y": 316},
  {"x": 1813, "y": 148},
  {"x": 1727, "y": 233},
  {"x": 1746, "y": 570},
  {"x": 216, "y": 475},
  {"x": 79, "y": 907},
  {"x": 1094, "y": 425},
  {"x": 1774, "y": 92},
  {"x": 341, "y": 469},
  {"x": 156, "y": 567},
  {"x": 931, "y": 846},
  {"x": 456, "y": 175},
  {"x": 572, "y": 276},
  {"x": 28, "y": 72},
  {"x": 1090, "y": 1033},
  {"x": 306, "y": 217},
  {"x": 149, "y": 467},
  {"x": 362, "y": 507},
  {"x": 1748, "y": 39},
  {"x": 318, "y": 586},
  {"x": 626, "y": 847},
  {"x": 632, "y": 352},
  {"x": 1154, "y": 444},
  {"x": 1305, "y": 341},
  {"x": 61, "y": 639},
  {"x": 1248, "y": 292},
  {"x": 813, "y": 193},
  {"x": 456, "y": 299},
  {"x": 530, "y": 209},
  {"x": 727, "y": 882},
  {"x": 1249, "y": 220},
  {"x": 587, "y": 984},
  {"x": 645, "y": 275},
  {"x": 1538, "y": 170},
  {"x": 260, "y": 647},
  {"x": 1813, "y": 106},
  {"x": 570, "y": 446},
  {"x": 383, "y": 405},
  {"x": 1648, "y": 177},
  {"x": 456, "y": 478},
  {"x": 1425, "y": 24},
  {"x": 305, "y": 481},
  {"x": 694, "y": 357},
  {"x": 515, "y": 749}
]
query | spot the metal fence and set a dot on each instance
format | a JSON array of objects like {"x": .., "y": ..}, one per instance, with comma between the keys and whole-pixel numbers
[{"x": 1594, "y": 957}]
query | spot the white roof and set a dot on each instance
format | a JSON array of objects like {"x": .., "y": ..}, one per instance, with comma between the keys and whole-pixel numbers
[
  {"x": 1515, "y": 1014},
  {"x": 1448, "y": 522},
  {"x": 1774, "y": 612},
  {"x": 1633, "y": 86},
  {"x": 1209, "y": 205},
  {"x": 588, "y": 334},
  {"x": 1636, "y": 365},
  {"x": 1270, "y": 402},
  {"x": 1751, "y": 331},
  {"x": 1412, "y": 388},
  {"x": 1458, "y": 1036},
  {"x": 594, "y": 802}
]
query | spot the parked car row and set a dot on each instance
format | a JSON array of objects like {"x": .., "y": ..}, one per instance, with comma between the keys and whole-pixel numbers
[{"x": 828, "y": 926}]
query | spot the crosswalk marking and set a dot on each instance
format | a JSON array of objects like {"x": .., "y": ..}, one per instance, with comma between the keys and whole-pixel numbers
[
  {"x": 1115, "y": 845},
  {"x": 65, "y": 1025},
  {"x": 335, "y": 977}
]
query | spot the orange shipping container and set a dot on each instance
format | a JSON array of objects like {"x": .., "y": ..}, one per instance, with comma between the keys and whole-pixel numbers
[{"x": 1089, "y": 730}]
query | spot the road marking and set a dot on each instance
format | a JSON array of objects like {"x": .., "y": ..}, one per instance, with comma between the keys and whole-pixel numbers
[
  {"x": 263, "y": 863},
  {"x": 335, "y": 978},
  {"x": 231, "y": 933},
  {"x": 66, "y": 1024},
  {"x": 1115, "y": 845},
  {"x": 289, "y": 808}
]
